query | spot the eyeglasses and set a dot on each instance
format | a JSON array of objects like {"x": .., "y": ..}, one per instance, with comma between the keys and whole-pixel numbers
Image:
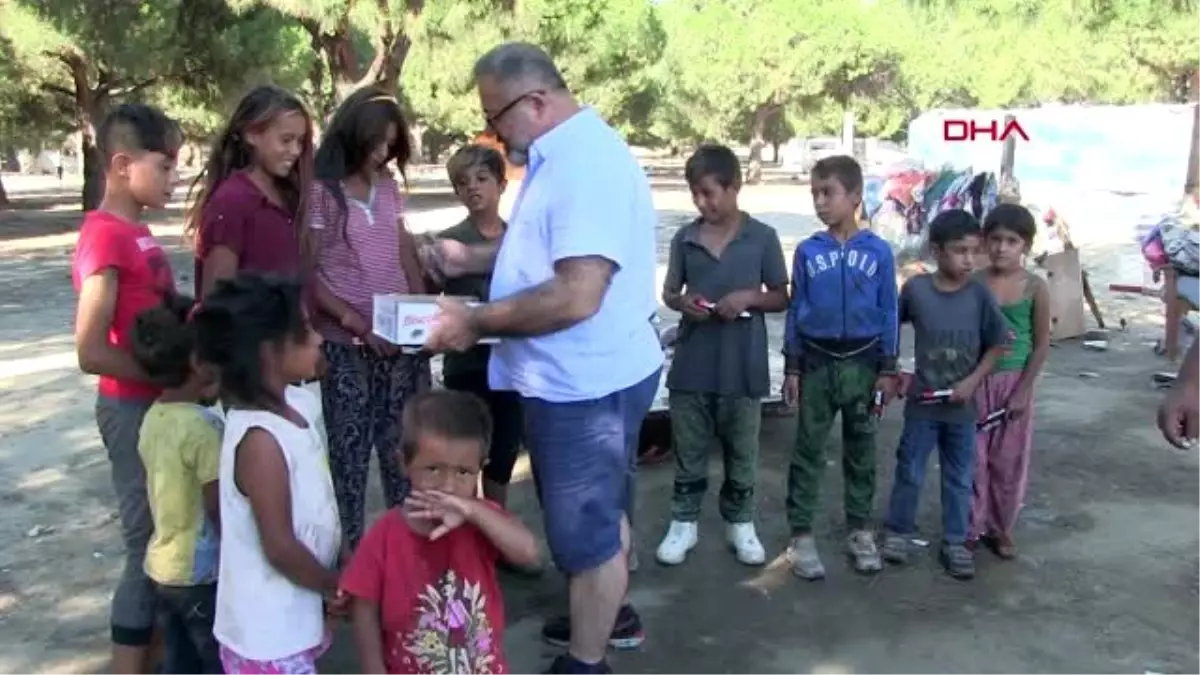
[{"x": 494, "y": 119}]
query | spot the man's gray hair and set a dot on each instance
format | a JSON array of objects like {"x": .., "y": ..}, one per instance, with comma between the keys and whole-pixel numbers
[{"x": 514, "y": 62}]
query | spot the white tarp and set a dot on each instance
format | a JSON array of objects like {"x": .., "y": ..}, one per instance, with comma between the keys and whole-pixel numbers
[{"x": 1109, "y": 170}]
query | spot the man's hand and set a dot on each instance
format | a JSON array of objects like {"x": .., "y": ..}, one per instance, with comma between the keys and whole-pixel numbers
[
  {"x": 887, "y": 385},
  {"x": 694, "y": 307},
  {"x": 446, "y": 511},
  {"x": 1178, "y": 416},
  {"x": 733, "y": 304},
  {"x": 454, "y": 330},
  {"x": 791, "y": 390}
]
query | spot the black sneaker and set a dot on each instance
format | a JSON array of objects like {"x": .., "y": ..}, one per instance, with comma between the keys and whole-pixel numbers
[
  {"x": 627, "y": 633},
  {"x": 958, "y": 560},
  {"x": 568, "y": 664}
]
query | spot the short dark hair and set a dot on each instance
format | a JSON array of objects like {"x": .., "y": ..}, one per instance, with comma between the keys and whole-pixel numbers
[
  {"x": 236, "y": 319},
  {"x": 474, "y": 155},
  {"x": 1012, "y": 217},
  {"x": 135, "y": 128},
  {"x": 713, "y": 160},
  {"x": 952, "y": 225},
  {"x": 163, "y": 341},
  {"x": 844, "y": 168},
  {"x": 451, "y": 414},
  {"x": 515, "y": 61}
]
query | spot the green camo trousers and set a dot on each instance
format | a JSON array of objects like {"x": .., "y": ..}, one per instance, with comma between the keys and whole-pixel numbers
[
  {"x": 696, "y": 421},
  {"x": 848, "y": 387}
]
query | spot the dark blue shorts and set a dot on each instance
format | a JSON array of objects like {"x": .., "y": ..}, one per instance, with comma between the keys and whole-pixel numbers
[{"x": 583, "y": 453}]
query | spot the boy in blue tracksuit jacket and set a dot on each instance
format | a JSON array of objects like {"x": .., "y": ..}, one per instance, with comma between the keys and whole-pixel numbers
[{"x": 841, "y": 346}]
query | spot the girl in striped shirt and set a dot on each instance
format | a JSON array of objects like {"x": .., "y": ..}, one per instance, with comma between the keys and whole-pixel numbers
[{"x": 361, "y": 248}]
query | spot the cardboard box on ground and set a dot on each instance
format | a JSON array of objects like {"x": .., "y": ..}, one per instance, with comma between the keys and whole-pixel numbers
[{"x": 407, "y": 320}]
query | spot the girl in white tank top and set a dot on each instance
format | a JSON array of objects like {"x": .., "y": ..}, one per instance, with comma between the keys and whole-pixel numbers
[{"x": 280, "y": 532}]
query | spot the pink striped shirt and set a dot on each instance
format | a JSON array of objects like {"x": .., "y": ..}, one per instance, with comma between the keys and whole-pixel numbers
[{"x": 358, "y": 256}]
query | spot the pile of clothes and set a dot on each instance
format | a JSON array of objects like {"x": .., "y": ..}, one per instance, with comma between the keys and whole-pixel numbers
[
  {"x": 1175, "y": 241},
  {"x": 901, "y": 204}
]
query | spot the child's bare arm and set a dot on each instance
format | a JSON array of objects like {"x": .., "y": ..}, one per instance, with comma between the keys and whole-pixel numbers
[
  {"x": 368, "y": 635},
  {"x": 1041, "y": 338},
  {"x": 515, "y": 542},
  {"x": 93, "y": 321},
  {"x": 220, "y": 263},
  {"x": 211, "y": 495},
  {"x": 261, "y": 474},
  {"x": 773, "y": 295}
]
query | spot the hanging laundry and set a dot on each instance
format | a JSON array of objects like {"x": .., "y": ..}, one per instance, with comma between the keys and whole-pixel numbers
[{"x": 901, "y": 205}]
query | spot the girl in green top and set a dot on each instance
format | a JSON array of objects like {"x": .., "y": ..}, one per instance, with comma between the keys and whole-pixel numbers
[{"x": 1005, "y": 399}]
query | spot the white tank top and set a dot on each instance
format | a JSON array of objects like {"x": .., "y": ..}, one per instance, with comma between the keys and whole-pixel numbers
[{"x": 261, "y": 615}]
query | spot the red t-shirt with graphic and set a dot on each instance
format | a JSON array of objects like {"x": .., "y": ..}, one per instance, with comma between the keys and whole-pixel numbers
[
  {"x": 107, "y": 241},
  {"x": 440, "y": 605}
]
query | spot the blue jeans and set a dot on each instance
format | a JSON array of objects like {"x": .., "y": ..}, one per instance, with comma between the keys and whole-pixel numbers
[
  {"x": 583, "y": 453},
  {"x": 956, "y": 451}
]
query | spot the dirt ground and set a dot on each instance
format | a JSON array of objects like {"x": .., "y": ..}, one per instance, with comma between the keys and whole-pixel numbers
[{"x": 1107, "y": 580}]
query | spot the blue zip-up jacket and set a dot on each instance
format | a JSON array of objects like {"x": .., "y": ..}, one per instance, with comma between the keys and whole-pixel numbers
[{"x": 843, "y": 292}]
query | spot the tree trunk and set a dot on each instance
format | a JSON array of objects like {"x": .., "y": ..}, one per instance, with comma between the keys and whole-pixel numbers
[
  {"x": 90, "y": 115},
  {"x": 416, "y": 141},
  {"x": 758, "y": 140},
  {"x": 341, "y": 67},
  {"x": 9, "y": 161}
]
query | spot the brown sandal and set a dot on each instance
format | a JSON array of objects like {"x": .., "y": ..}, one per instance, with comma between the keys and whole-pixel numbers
[{"x": 1003, "y": 546}]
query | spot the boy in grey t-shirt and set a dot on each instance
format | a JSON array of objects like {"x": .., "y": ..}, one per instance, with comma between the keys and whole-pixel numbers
[{"x": 959, "y": 332}]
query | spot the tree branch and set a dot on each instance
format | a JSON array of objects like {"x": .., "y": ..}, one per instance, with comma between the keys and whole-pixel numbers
[{"x": 135, "y": 87}]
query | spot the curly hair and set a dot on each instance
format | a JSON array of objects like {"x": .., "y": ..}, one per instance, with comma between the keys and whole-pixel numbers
[
  {"x": 163, "y": 341},
  {"x": 237, "y": 319}
]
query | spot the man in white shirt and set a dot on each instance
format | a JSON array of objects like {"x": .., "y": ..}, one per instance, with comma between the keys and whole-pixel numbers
[{"x": 572, "y": 297}]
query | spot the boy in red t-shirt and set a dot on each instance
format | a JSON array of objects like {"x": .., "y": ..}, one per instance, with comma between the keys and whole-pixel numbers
[
  {"x": 119, "y": 270},
  {"x": 426, "y": 598}
]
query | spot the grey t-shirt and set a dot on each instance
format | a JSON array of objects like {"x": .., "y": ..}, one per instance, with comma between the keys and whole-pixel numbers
[
  {"x": 952, "y": 330},
  {"x": 724, "y": 357}
]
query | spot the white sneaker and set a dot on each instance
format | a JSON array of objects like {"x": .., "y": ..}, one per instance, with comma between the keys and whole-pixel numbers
[
  {"x": 744, "y": 540},
  {"x": 681, "y": 538}
]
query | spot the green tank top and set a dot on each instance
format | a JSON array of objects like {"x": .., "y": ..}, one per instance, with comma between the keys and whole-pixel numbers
[{"x": 1020, "y": 320}]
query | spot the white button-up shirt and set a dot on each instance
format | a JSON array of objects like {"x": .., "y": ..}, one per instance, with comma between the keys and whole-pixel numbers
[{"x": 584, "y": 194}]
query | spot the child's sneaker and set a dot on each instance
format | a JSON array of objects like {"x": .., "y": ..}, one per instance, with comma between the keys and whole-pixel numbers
[
  {"x": 895, "y": 548},
  {"x": 745, "y": 543},
  {"x": 958, "y": 561},
  {"x": 681, "y": 538},
  {"x": 566, "y": 664},
  {"x": 627, "y": 633},
  {"x": 861, "y": 547},
  {"x": 806, "y": 563}
]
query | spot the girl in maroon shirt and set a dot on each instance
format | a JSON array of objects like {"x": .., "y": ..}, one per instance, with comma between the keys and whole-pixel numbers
[{"x": 250, "y": 199}]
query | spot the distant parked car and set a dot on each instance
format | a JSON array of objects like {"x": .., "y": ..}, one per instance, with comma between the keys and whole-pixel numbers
[{"x": 800, "y": 154}]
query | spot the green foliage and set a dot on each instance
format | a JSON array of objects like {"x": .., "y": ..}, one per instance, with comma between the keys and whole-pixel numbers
[{"x": 665, "y": 71}]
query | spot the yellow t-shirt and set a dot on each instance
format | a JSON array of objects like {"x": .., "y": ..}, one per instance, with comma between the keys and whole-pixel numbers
[{"x": 180, "y": 446}]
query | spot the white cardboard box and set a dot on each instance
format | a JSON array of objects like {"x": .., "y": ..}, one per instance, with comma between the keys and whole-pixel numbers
[{"x": 406, "y": 320}]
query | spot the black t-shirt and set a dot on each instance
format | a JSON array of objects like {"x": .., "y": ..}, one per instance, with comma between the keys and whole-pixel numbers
[{"x": 473, "y": 362}]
